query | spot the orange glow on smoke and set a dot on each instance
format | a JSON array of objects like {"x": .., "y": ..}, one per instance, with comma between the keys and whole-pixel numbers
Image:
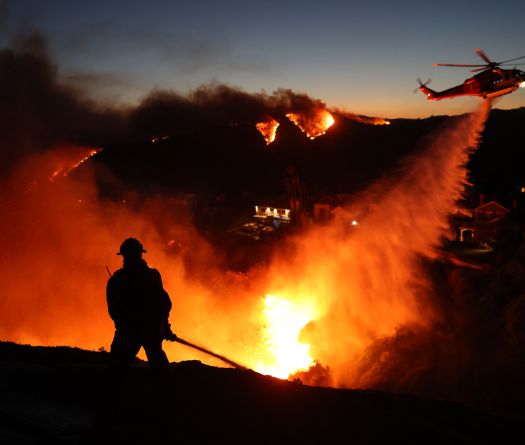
[
  {"x": 268, "y": 129},
  {"x": 284, "y": 322},
  {"x": 313, "y": 125}
]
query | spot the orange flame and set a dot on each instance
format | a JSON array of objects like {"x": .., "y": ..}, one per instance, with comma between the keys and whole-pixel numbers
[
  {"x": 268, "y": 129},
  {"x": 378, "y": 121},
  {"x": 313, "y": 125},
  {"x": 284, "y": 322}
]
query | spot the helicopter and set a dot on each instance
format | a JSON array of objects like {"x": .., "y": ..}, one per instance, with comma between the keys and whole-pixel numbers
[{"x": 491, "y": 82}]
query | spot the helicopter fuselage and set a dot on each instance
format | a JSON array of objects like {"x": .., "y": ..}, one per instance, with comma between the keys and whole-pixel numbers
[{"x": 490, "y": 83}]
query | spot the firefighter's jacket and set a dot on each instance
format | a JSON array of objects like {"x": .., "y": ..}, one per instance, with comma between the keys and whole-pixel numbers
[{"x": 136, "y": 298}]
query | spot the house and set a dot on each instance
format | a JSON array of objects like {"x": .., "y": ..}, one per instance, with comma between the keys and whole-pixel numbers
[{"x": 482, "y": 224}]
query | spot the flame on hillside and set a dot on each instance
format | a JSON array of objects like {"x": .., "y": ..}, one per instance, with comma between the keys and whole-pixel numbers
[
  {"x": 72, "y": 157},
  {"x": 313, "y": 125},
  {"x": 268, "y": 129},
  {"x": 376, "y": 121}
]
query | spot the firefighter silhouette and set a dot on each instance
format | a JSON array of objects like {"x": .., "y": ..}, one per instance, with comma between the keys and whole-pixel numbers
[{"x": 139, "y": 306}]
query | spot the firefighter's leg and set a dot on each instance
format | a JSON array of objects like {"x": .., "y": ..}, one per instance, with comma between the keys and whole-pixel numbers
[
  {"x": 124, "y": 348},
  {"x": 156, "y": 356}
]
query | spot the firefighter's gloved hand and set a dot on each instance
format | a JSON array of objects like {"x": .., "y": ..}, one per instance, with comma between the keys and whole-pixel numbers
[
  {"x": 168, "y": 333},
  {"x": 171, "y": 336}
]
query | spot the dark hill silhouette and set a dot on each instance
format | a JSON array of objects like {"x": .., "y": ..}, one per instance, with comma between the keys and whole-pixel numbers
[
  {"x": 234, "y": 159},
  {"x": 49, "y": 396}
]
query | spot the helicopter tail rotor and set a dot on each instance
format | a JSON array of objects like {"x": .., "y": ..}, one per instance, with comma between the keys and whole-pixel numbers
[
  {"x": 421, "y": 84},
  {"x": 431, "y": 94}
]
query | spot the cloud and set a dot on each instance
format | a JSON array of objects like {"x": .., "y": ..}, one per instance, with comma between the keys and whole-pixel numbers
[
  {"x": 184, "y": 53},
  {"x": 101, "y": 86}
]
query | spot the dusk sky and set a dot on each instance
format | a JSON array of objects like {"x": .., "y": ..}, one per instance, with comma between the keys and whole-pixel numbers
[{"x": 364, "y": 57}]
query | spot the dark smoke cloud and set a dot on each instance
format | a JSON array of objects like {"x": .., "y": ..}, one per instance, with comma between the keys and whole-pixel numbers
[
  {"x": 38, "y": 112},
  {"x": 85, "y": 81},
  {"x": 166, "y": 112},
  {"x": 42, "y": 110}
]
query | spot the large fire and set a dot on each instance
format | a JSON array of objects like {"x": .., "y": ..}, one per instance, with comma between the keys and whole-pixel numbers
[
  {"x": 361, "y": 285},
  {"x": 313, "y": 125},
  {"x": 268, "y": 129},
  {"x": 284, "y": 322}
]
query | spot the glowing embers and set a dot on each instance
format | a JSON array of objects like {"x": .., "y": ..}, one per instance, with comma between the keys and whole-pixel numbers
[
  {"x": 70, "y": 158},
  {"x": 522, "y": 85},
  {"x": 159, "y": 139},
  {"x": 313, "y": 125},
  {"x": 268, "y": 129},
  {"x": 284, "y": 322}
]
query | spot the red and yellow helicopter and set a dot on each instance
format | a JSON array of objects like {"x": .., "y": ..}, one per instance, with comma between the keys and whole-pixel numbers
[{"x": 491, "y": 82}]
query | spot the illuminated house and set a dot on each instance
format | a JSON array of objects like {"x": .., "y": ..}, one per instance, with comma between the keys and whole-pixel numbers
[
  {"x": 482, "y": 224},
  {"x": 271, "y": 213},
  {"x": 265, "y": 221}
]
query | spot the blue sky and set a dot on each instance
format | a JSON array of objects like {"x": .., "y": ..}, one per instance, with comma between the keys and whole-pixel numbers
[{"x": 362, "y": 56}]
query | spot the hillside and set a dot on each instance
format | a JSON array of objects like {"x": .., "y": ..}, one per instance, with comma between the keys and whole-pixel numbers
[
  {"x": 235, "y": 159},
  {"x": 50, "y": 395}
]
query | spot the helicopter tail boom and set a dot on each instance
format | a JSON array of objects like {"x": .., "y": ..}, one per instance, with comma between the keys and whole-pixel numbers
[{"x": 431, "y": 94}]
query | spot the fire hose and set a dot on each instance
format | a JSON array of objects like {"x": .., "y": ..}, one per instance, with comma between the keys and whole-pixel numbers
[{"x": 174, "y": 338}]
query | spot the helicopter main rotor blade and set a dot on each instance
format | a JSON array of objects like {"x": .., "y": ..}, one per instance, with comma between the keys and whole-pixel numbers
[
  {"x": 458, "y": 65},
  {"x": 510, "y": 60},
  {"x": 482, "y": 54}
]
